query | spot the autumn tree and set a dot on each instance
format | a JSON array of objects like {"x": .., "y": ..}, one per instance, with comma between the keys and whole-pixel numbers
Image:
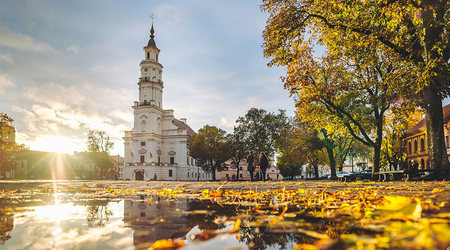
[
  {"x": 210, "y": 147},
  {"x": 290, "y": 159},
  {"x": 413, "y": 33},
  {"x": 353, "y": 88},
  {"x": 7, "y": 144},
  {"x": 98, "y": 141},
  {"x": 399, "y": 119}
]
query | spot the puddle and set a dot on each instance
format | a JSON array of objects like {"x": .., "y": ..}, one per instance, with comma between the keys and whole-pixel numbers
[
  {"x": 106, "y": 218},
  {"x": 53, "y": 222}
]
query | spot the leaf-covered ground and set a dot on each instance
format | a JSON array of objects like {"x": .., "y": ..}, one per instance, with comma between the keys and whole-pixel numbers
[{"x": 326, "y": 214}]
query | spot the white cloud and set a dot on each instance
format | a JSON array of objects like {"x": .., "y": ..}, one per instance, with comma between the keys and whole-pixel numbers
[
  {"x": 5, "y": 81},
  {"x": 19, "y": 41},
  {"x": 227, "y": 124},
  {"x": 74, "y": 49},
  {"x": 6, "y": 58}
]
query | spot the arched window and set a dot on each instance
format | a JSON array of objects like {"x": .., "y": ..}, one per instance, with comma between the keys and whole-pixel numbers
[
  {"x": 143, "y": 125},
  {"x": 422, "y": 145},
  {"x": 148, "y": 55},
  {"x": 409, "y": 147},
  {"x": 422, "y": 164},
  {"x": 415, "y": 146}
]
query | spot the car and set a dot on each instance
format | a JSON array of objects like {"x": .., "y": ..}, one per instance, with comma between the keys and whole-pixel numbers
[
  {"x": 365, "y": 174},
  {"x": 343, "y": 173}
]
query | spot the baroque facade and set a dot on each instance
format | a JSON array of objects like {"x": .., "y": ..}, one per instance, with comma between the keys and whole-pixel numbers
[
  {"x": 157, "y": 146},
  {"x": 416, "y": 141}
]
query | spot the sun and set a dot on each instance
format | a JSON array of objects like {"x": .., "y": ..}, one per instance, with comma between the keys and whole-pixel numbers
[{"x": 57, "y": 144}]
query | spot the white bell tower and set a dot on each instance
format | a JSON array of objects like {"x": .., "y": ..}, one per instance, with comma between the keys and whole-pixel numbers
[{"x": 150, "y": 83}]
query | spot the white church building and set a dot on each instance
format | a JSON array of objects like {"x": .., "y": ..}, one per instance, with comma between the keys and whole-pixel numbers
[{"x": 157, "y": 146}]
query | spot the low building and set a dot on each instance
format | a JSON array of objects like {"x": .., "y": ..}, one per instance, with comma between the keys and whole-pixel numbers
[
  {"x": 31, "y": 164},
  {"x": 229, "y": 172},
  {"x": 416, "y": 141}
]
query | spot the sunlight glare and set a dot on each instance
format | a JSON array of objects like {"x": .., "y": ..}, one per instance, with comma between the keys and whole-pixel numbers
[
  {"x": 58, "y": 144},
  {"x": 58, "y": 212}
]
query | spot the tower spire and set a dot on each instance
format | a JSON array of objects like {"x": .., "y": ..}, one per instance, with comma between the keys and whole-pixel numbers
[{"x": 152, "y": 31}]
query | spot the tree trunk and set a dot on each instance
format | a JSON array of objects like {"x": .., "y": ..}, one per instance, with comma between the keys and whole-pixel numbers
[
  {"x": 213, "y": 170},
  {"x": 316, "y": 172},
  {"x": 332, "y": 163},
  {"x": 237, "y": 174},
  {"x": 437, "y": 152},
  {"x": 376, "y": 159}
]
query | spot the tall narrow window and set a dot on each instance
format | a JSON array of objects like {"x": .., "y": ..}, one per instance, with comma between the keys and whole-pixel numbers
[
  {"x": 159, "y": 160},
  {"x": 148, "y": 55},
  {"x": 142, "y": 143},
  {"x": 409, "y": 147},
  {"x": 143, "y": 124},
  {"x": 422, "y": 145},
  {"x": 415, "y": 146},
  {"x": 172, "y": 160},
  {"x": 142, "y": 158},
  {"x": 170, "y": 172}
]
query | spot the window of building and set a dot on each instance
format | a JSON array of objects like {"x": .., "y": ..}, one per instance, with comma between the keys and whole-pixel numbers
[
  {"x": 170, "y": 172},
  {"x": 188, "y": 174},
  {"x": 240, "y": 175},
  {"x": 142, "y": 158},
  {"x": 143, "y": 124},
  {"x": 159, "y": 160},
  {"x": 409, "y": 147},
  {"x": 142, "y": 143},
  {"x": 447, "y": 141},
  {"x": 415, "y": 146},
  {"x": 422, "y": 145},
  {"x": 172, "y": 160},
  {"x": 148, "y": 55},
  {"x": 422, "y": 164},
  {"x": 142, "y": 214},
  {"x": 187, "y": 160}
]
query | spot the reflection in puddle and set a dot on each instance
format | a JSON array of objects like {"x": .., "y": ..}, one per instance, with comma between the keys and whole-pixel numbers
[{"x": 133, "y": 223}]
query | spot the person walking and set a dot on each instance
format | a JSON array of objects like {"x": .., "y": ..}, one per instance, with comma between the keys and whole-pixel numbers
[
  {"x": 250, "y": 167},
  {"x": 263, "y": 164}
]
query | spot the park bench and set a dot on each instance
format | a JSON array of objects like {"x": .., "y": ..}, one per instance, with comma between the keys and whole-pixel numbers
[{"x": 390, "y": 175}]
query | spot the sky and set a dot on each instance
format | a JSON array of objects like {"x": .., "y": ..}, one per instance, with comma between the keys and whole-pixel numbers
[{"x": 67, "y": 67}]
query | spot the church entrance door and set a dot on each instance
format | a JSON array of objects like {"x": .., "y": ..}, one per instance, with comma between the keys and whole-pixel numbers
[{"x": 139, "y": 175}]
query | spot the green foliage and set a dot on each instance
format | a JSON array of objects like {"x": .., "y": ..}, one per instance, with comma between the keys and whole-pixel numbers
[
  {"x": 7, "y": 144},
  {"x": 237, "y": 147},
  {"x": 289, "y": 172},
  {"x": 210, "y": 147},
  {"x": 260, "y": 129},
  {"x": 98, "y": 141}
]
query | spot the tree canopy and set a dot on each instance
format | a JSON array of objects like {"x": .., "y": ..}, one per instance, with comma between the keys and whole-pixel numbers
[
  {"x": 210, "y": 147},
  {"x": 7, "y": 144},
  {"x": 398, "y": 49},
  {"x": 98, "y": 141}
]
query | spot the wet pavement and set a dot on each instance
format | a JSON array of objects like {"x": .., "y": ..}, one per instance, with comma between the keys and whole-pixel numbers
[{"x": 134, "y": 215}]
